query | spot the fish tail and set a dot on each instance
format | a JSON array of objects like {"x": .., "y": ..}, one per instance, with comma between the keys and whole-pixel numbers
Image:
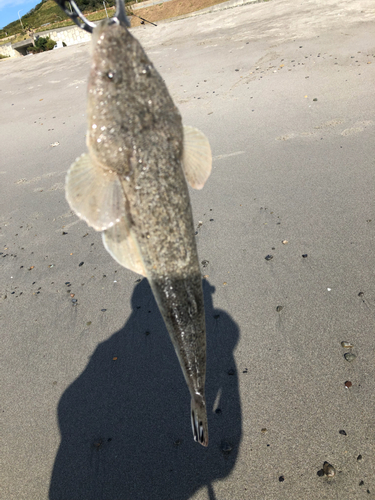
[{"x": 199, "y": 419}]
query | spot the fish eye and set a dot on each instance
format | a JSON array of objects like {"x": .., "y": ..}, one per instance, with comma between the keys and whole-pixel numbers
[
  {"x": 110, "y": 74},
  {"x": 146, "y": 69}
]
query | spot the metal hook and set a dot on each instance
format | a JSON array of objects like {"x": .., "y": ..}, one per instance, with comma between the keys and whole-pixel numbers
[{"x": 76, "y": 16}]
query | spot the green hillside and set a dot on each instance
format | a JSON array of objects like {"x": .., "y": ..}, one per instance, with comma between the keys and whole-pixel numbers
[{"x": 48, "y": 13}]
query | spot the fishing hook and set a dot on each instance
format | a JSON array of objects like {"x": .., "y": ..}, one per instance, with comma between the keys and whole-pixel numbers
[
  {"x": 87, "y": 25},
  {"x": 76, "y": 16}
]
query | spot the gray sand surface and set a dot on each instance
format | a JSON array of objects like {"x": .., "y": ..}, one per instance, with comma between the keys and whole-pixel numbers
[{"x": 93, "y": 405}]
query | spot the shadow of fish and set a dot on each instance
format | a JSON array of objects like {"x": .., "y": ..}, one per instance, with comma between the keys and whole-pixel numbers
[{"x": 132, "y": 186}]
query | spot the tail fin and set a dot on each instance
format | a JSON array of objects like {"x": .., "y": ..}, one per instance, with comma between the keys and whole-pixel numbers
[{"x": 199, "y": 419}]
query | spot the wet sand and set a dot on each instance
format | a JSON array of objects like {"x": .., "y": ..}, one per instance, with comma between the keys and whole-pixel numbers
[{"x": 93, "y": 402}]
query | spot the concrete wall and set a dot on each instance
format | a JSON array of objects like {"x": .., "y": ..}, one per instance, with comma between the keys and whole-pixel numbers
[
  {"x": 7, "y": 50},
  {"x": 71, "y": 35}
]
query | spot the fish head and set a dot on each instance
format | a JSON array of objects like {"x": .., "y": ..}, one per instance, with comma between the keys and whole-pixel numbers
[
  {"x": 109, "y": 88},
  {"x": 120, "y": 18},
  {"x": 130, "y": 111}
]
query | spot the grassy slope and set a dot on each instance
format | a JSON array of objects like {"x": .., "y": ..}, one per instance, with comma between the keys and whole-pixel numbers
[{"x": 51, "y": 13}]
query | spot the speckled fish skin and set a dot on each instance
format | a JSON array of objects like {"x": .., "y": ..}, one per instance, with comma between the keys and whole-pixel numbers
[{"x": 136, "y": 131}]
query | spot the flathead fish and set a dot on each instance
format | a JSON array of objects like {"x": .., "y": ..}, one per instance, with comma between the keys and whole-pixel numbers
[{"x": 132, "y": 185}]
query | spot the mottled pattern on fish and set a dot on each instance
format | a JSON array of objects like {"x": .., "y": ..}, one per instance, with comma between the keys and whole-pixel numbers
[
  {"x": 136, "y": 191},
  {"x": 130, "y": 96},
  {"x": 131, "y": 113}
]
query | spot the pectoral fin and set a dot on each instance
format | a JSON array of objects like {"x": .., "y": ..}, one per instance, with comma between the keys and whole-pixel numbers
[
  {"x": 197, "y": 157},
  {"x": 120, "y": 242},
  {"x": 95, "y": 194}
]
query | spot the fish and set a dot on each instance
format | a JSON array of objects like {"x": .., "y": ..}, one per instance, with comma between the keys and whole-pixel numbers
[{"x": 131, "y": 185}]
